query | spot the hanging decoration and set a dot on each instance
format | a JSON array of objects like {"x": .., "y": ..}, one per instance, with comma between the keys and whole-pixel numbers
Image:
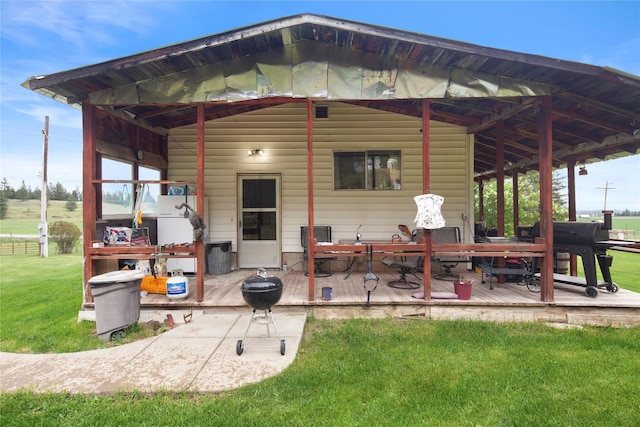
[{"x": 429, "y": 215}]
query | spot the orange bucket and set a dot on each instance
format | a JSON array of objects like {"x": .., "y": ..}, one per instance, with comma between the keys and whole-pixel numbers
[{"x": 154, "y": 285}]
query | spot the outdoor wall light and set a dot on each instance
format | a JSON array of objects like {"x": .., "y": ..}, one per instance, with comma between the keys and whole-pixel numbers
[{"x": 257, "y": 152}]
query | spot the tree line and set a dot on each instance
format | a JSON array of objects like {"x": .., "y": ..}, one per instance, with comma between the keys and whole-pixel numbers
[{"x": 54, "y": 192}]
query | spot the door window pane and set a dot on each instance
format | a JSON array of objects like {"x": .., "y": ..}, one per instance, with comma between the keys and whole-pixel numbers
[
  {"x": 259, "y": 193},
  {"x": 259, "y": 226}
]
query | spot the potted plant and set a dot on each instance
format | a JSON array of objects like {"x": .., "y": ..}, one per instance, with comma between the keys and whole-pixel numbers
[{"x": 462, "y": 287}]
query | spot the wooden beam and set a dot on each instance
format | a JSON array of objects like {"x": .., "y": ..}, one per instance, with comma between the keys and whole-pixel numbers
[
  {"x": 481, "y": 200},
  {"x": 516, "y": 200},
  {"x": 310, "y": 209},
  {"x": 571, "y": 184},
  {"x": 593, "y": 121},
  {"x": 200, "y": 208},
  {"x": 500, "y": 176},
  {"x": 508, "y": 111},
  {"x": 586, "y": 148},
  {"x": 633, "y": 115},
  {"x": 513, "y": 148},
  {"x": 89, "y": 190},
  {"x": 426, "y": 185},
  {"x": 163, "y": 110},
  {"x": 546, "y": 194},
  {"x": 572, "y": 134}
]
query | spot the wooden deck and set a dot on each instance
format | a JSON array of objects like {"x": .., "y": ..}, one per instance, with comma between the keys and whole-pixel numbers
[{"x": 506, "y": 302}]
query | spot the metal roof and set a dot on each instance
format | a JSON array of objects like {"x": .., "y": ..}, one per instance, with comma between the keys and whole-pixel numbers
[{"x": 596, "y": 110}]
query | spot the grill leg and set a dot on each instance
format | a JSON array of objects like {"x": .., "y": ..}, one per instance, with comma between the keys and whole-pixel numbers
[
  {"x": 273, "y": 320},
  {"x": 249, "y": 325}
]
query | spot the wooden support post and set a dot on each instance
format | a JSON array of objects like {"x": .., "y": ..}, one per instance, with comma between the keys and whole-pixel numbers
[
  {"x": 500, "y": 176},
  {"x": 426, "y": 184},
  {"x": 516, "y": 207},
  {"x": 89, "y": 199},
  {"x": 481, "y": 201},
  {"x": 571, "y": 184},
  {"x": 545, "y": 148},
  {"x": 500, "y": 200},
  {"x": 200, "y": 255},
  {"x": 310, "y": 251}
]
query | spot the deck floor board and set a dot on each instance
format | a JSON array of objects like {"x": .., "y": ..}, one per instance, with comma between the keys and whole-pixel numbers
[{"x": 224, "y": 291}]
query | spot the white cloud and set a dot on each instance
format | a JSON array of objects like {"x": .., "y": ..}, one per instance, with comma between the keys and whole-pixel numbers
[
  {"x": 74, "y": 22},
  {"x": 59, "y": 115}
]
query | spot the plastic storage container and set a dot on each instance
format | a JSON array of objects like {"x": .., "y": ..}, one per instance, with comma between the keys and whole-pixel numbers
[
  {"x": 218, "y": 257},
  {"x": 116, "y": 298}
]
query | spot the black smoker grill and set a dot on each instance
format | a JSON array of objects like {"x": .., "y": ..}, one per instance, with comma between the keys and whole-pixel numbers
[
  {"x": 589, "y": 240},
  {"x": 261, "y": 292}
]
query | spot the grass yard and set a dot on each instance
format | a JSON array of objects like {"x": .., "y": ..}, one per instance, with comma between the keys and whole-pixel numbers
[
  {"x": 391, "y": 372},
  {"x": 395, "y": 372},
  {"x": 40, "y": 299},
  {"x": 39, "y": 303}
]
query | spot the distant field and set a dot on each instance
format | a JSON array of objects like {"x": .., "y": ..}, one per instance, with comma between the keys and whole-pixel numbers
[
  {"x": 629, "y": 225},
  {"x": 23, "y": 217}
]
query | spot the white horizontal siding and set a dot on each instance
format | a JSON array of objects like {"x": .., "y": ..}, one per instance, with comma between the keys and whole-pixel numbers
[{"x": 281, "y": 133}]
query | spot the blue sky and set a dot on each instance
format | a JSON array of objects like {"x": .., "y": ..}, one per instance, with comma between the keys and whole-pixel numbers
[{"x": 44, "y": 37}]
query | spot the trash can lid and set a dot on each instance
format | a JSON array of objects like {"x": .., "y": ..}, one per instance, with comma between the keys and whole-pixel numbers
[
  {"x": 118, "y": 276},
  {"x": 219, "y": 242}
]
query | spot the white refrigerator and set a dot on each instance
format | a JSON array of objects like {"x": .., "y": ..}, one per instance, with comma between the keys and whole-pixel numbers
[{"x": 174, "y": 228}]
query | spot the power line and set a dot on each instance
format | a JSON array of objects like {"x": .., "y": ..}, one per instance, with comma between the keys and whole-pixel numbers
[{"x": 606, "y": 188}]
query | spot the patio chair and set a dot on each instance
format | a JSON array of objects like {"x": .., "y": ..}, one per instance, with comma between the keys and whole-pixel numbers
[
  {"x": 447, "y": 235},
  {"x": 321, "y": 233},
  {"x": 405, "y": 265}
]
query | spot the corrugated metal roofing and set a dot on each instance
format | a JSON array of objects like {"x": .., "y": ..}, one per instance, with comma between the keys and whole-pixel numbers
[{"x": 596, "y": 110}]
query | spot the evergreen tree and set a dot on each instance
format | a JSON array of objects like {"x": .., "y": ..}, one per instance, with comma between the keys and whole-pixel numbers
[
  {"x": 4, "y": 205},
  {"x": 71, "y": 204},
  {"x": 57, "y": 192},
  {"x": 7, "y": 189},
  {"x": 22, "y": 193}
]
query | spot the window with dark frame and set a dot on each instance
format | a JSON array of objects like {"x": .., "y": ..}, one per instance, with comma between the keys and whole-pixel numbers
[{"x": 367, "y": 170}]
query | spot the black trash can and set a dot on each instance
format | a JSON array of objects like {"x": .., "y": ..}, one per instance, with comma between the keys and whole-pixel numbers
[
  {"x": 116, "y": 297},
  {"x": 218, "y": 257}
]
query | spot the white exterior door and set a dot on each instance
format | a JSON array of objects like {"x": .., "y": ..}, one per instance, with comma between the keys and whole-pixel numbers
[{"x": 259, "y": 236}]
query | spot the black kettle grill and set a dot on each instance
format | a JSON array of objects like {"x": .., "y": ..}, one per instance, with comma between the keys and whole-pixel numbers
[{"x": 261, "y": 292}]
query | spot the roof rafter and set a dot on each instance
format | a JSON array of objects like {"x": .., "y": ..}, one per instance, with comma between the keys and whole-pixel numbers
[{"x": 507, "y": 112}]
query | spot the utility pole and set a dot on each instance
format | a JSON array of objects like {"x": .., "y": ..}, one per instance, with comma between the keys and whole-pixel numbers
[
  {"x": 43, "y": 227},
  {"x": 605, "y": 188}
]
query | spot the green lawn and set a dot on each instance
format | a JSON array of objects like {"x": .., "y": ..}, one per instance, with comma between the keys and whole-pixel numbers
[
  {"x": 391, "y": 372},
  {"x": 395, "y": 372}
]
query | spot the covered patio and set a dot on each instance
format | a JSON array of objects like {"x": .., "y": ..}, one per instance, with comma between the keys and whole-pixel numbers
[{"x": 190, "y": 109}]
